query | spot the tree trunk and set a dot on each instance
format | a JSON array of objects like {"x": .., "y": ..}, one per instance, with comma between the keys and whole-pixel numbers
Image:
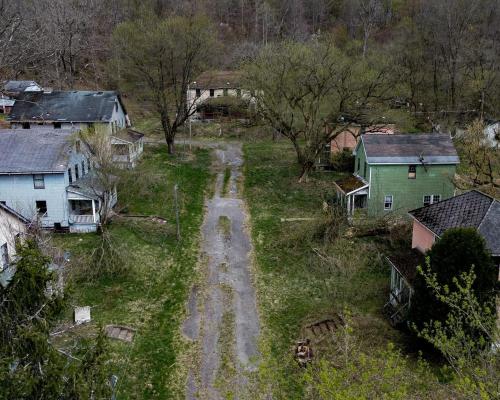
[
  {"x": 170, "y": 145},
  {"x": 307, "y": 167}
]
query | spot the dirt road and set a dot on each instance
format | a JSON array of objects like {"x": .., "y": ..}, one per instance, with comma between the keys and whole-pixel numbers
[{"x": 222, "y": 312}]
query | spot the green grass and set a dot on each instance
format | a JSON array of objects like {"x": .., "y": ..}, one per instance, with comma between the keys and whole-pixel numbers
[
  {"x": 151, "y": 296},
  {"x": 295, "y": 284}
]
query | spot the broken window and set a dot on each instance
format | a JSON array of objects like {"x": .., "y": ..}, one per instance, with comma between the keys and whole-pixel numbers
[{"x": 41, "y": 207}]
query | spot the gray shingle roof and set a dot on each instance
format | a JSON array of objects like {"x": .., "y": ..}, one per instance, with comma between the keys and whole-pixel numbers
[
  {"x": 18, "y": 86},
  {"x": 34, "y": 151},
  {"x": 73, "y": 106},
  {"x": 410, "y": 149},
  {"x": 469, "y": 210}
]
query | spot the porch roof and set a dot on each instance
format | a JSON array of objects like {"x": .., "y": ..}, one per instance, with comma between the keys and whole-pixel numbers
[
  {"x": 350, "y": 184},
  {"x": 406, "y": 263}
]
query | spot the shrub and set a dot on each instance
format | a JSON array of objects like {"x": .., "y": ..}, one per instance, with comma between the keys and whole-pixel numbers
[
  {"x": 455, "y": 253},
  {"x": 343, "y": 161}
]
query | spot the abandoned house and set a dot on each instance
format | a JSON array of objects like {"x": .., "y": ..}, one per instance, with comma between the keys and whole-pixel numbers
[
  {"x": 46, "y": 175},
  {"x": 12, "y": 227},
  {"x": 213, "y": 84},
  {"x": 69, "y": 110},
  {"x": 128, "y": 146},
  {"x": 16, "y": 88},
  {"x": 397, "y": 173},
  {"x": 469, "y": 210},
  {"x": 347, "y": 139}
]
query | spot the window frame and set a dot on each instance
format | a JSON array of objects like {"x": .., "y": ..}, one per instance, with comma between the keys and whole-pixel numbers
[
  {"x": 433, "y": 198},
  {"x": 412, "y": 172},
  {"x": 36, "y": 178},
  {"x": 4, "y": 257},
  {"x": 39, "y": 210},
  {"x": 391, "y": 202}
]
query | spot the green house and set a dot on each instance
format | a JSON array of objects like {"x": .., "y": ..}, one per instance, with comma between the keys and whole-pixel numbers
[{"x": 398, "y": 173}]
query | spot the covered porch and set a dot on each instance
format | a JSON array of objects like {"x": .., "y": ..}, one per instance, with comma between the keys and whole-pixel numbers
[
  {"x": 83, "y": 213},
  {"x": 352, "y": 193}
]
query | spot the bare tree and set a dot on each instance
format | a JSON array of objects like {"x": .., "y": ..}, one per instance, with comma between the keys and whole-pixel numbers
[
  {"x": 159, "y": 58},
  {"x": 300, "y": 89}
]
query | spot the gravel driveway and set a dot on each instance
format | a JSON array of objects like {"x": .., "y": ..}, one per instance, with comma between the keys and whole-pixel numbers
[{"x": 226, "y": 326}]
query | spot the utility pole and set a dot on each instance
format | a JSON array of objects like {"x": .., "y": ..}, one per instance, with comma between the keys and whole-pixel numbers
[{"x": 177, "y": 213}]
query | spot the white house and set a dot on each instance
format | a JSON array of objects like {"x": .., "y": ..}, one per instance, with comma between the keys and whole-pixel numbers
[
  {"x": 12, "y": 227},
  {"x": 128, "y": 146},
  {"x": 213, "y": 84},
  {"x": 77, "y": 109},
  {"x": 46, "y": 175}
]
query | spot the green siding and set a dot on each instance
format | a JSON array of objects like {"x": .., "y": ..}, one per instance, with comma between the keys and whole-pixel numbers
[{"x": 407, "y": 193}]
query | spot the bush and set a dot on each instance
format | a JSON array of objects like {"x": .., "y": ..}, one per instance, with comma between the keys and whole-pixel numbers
[
  {"x": 455, "y": 253},
  {"x": 343, "y": 161}
]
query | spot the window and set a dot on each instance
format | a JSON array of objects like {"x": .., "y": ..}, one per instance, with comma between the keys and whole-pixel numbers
[
  {"x": 116, "y": 106},
  {"x": 77, "y": 146},
  {"x": 388, "y": 202},
  {"x": 77, "y": 174},
  {"x": 83, "y": 167},
  {"x": 26, "y": 125},
  {"x": 4, "y": 257},
  {"x": 212, "y": 92},
  {"x": 224, "y": 92},
  {"x": 57, "y": 125},
  {"x": 412, "y": 171},
  {"x": 356, "y": 169},
  {"x": 238, "y": 92},
  {"x": 38, "y": 181},
  {"x": 364, "y": 170},
  {"x": 198, "y": 92},
  {"x": 41, "y": 207},
  {"x": 431, "y": 199},
  {"x": 70, "y": 177}
]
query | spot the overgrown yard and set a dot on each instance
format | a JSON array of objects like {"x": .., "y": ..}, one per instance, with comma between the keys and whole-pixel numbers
[
  {"x": 304, "y": 277},
  {"x": 148, "y": 289}
]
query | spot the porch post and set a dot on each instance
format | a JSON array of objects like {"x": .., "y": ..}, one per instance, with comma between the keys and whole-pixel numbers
[{"x": 93, "y": 211}]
